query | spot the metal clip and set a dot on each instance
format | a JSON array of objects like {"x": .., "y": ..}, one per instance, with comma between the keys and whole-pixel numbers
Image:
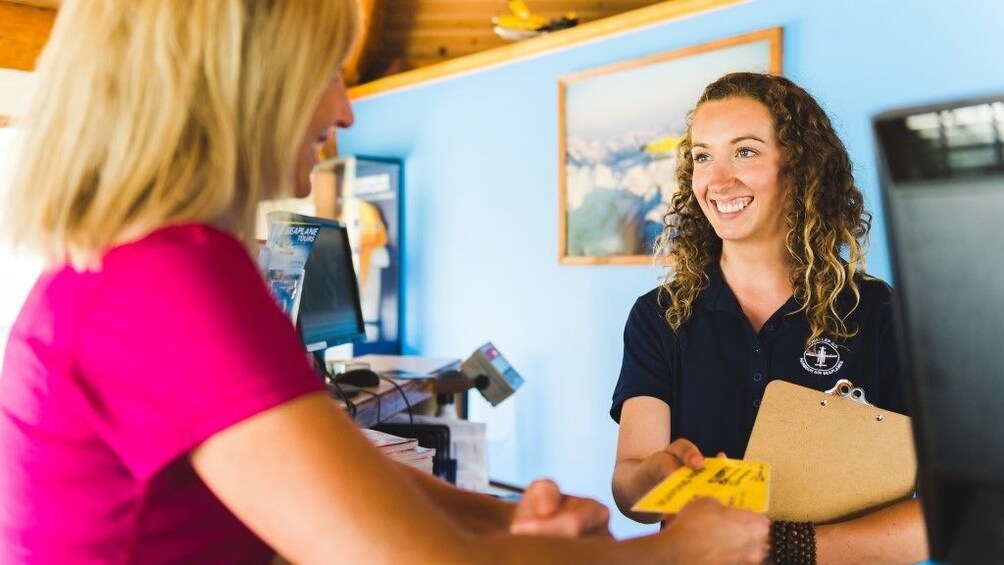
[{"x": 846, "y": 389}]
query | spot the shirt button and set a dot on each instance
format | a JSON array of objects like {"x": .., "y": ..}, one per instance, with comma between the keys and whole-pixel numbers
[
  {"x": 757, "y": 377},
  {"x": 756, "y": 403},
  {"x": 756, "y": 350}
]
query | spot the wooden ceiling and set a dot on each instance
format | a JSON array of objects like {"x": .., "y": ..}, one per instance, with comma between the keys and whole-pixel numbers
[
  {"x": 400, "y": 35},
  {"x": 24, "y": 30},
  {"x": 410, "y": 34},
  {"x": 50, "y": 4}
]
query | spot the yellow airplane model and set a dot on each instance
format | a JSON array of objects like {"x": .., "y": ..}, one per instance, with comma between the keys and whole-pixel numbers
[{"x": 521, "y": 23}]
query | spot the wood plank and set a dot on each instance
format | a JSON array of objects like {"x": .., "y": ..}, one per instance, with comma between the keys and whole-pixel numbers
[
  {"x": 411, "y": 10},
  {"x": 442, "y": 47},
  {"x": 50, "y": 4},
  {"x": 403, "y": 24},
  {"x": 536, "y": 6},
  {"x": 394, "y": 40},
  {"x": 371, "y": 15},
  {"x": 398, "y": 63},
  {"x": 621, "y": 23},
  {"x": 24, "y": 31}
]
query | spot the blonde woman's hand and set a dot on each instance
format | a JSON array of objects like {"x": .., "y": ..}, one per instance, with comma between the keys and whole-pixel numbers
[
  {"x": 706, "y": 531},
  {"x": 544, "y": 510}
]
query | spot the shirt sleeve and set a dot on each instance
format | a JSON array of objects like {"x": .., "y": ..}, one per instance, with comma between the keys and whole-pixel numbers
[
  {"x": 183, "y": 341},
  {"x": 646, "y": 367}
]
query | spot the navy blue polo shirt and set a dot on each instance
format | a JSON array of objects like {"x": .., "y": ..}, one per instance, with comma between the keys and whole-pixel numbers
[{"x": 712, "y": 371}]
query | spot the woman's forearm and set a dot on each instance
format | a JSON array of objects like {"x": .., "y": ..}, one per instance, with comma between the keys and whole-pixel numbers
[
  {"x": 895, "y": 534},
  {"x": 628, "y": 487},
  {"x": 476, "y": 512}
]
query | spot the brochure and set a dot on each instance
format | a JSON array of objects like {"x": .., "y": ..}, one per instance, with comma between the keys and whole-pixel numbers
[{"x": 286, "y": 250}]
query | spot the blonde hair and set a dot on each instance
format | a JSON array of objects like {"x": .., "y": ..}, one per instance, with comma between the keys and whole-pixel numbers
[{"x": 157, "y": 112}]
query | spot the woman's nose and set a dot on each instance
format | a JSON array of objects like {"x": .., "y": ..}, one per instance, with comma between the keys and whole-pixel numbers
[
  {"x": 722, "y": 174},
  {"x": 344, "y": 117}
]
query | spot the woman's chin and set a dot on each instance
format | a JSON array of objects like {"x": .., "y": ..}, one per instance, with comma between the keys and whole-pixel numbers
[{"x": 301, "y": 186}]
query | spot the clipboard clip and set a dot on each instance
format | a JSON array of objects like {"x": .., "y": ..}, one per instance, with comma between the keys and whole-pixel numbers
[{"x": 846, "y": 389}]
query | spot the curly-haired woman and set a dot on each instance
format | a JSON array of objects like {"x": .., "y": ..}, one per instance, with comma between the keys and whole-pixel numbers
[{"x": 766, "y": 236}]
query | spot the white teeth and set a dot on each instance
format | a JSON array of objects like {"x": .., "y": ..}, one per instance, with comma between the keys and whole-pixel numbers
[{"x": 731, "y": 206}]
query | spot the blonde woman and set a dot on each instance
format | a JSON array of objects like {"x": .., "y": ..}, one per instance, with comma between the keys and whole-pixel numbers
[
  {"x": 760, "y": 291},
  {"x": 155, "y": 405}
]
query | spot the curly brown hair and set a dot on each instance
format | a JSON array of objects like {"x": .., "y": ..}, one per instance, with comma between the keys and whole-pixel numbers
[{"x": 823, "y": 210}]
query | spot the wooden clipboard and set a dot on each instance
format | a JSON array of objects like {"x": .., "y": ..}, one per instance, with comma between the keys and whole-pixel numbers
[{"x": 832, "y": 455}]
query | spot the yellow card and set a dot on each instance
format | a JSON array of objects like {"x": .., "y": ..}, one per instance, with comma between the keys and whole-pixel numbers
[{"x": 740, "y": 484}]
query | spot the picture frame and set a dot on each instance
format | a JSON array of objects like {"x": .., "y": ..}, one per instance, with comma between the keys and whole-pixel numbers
[
  {"x": 619, "y": 126},
  {"x": 364, "y": 193}
]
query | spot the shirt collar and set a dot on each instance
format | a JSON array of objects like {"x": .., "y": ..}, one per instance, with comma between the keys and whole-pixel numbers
[{"x": 718, "y": 295}]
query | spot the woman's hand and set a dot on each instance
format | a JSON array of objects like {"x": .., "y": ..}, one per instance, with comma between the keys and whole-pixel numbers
[
  {"x": 544, "y": 510},
  {"x": 706, "y": 531},
  {"x": 656, "y": 467}
]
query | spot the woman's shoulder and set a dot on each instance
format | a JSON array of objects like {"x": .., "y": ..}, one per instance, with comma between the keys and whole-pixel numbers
[
  {"x": 192, "y": 266},
  {"x": 179, "y": 240},
  {"x": 873, "y": 295},
  {"x": 650, "y": 308},
  {"x": 180, "y": 251},
  {"x": 657, "y": 299},
  {"x": 873, "y": 287}
]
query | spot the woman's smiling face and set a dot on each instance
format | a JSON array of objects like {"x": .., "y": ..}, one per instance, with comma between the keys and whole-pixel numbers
[{"x": 736, "y": 162}]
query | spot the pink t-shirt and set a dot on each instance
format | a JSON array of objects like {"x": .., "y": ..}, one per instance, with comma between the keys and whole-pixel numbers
[{"x": 111, "y": 379}]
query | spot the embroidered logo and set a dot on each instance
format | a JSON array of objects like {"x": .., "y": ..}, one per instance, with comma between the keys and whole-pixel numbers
[{"x": 821, "y": 357}]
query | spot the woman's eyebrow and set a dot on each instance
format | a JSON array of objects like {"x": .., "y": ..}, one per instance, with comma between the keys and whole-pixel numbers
[{"x": 748, "y": 136}]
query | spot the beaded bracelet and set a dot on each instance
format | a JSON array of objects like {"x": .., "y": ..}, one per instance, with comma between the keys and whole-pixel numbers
[{"x": 792, "y": 543}]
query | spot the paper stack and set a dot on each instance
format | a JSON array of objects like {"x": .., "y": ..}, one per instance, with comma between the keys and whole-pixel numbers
[
  {"x": 466, "y": 447},
  {"x": 402, "y": 449}
]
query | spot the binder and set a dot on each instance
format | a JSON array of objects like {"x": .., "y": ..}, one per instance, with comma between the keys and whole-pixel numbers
[{"x": 833, "y": 456}]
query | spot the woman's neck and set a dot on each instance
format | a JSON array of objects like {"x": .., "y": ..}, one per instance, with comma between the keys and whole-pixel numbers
[
  {"x": 760, "y": 279},
  {"x": 755, "y": 264}
]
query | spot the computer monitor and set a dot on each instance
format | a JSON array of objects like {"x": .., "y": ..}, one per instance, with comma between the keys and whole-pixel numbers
[
  {"x": 328, "y": 311},
  {"x": 942, "y": 173}
]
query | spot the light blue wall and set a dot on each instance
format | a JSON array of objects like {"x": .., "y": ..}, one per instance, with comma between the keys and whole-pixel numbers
[{"x": 481, "y": 206}]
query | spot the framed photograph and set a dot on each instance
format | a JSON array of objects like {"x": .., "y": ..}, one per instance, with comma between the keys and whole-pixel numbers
[
  {"x": 619, "y": 129},
  {"x": 364, "y": 193}
]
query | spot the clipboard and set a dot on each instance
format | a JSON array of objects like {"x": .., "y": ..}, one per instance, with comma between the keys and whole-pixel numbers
[{"x": 832, "y": 455}]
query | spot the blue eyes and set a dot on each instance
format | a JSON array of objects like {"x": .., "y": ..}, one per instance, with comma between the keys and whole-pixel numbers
[{"x": 742, "y": 153}]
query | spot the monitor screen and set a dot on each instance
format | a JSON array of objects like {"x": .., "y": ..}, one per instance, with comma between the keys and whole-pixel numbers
[
  {"x": 327, "y": 309},
  {"x": 942, "y": 170}
]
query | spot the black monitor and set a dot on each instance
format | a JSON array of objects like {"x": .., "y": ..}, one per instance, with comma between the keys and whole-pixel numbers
[
  {"x": 328, "y": 311},
  {"x": 942, "y": 173}
]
